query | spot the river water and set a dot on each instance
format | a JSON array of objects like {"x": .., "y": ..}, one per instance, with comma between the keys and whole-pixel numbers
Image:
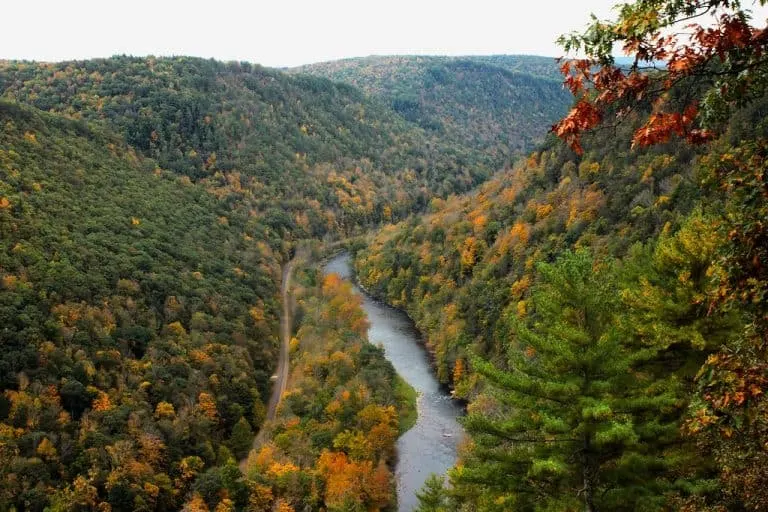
[{"x": 430, "y": 446}]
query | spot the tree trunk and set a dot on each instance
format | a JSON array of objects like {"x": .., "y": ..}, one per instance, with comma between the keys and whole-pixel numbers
[{"x": 589, "y": 475}]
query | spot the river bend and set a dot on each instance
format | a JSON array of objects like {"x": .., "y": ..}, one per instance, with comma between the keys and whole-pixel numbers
[{"x": 430, "y": 446}]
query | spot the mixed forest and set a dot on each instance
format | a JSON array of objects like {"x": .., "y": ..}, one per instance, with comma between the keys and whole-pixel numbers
[
  {"x": 601, "y": 304},
  {"x": 147, "y": 206},
  {"x": 596, "y": 295},
  {"x": 496, "y": 104},
  {"x": 333, "y": 443}
]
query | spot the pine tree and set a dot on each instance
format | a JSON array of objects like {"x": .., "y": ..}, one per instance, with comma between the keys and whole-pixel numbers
[
  {"x": 432, "y": 496},
  {"x": 242, "y": 436},
  {"x": 574, "y": 426}
]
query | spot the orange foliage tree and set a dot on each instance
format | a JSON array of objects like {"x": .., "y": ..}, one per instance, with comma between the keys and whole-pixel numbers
[{"x": 711, "y": 51}]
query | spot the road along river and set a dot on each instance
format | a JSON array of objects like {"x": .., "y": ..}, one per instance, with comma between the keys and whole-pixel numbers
[{"x": 430, "y": 446}]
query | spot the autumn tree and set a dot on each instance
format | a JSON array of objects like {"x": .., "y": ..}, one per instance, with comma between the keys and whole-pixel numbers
[
  {"x": 694, "y": 63},
  {"x": 729, "y": 416}
]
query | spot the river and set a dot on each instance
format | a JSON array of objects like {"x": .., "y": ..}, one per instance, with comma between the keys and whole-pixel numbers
[{"x": 430, "y": 446}]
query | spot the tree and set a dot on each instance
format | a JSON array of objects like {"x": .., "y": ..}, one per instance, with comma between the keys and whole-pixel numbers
[
  {"x": 242, "y": 436},
  {"x": 574, "y": 426},
  {"x": 709, "y": 71},
  {"x": 667, "y": 291},
  {"x": 713, "y": 68},
  {"x": 729, "y": 416},
  {"x": 433, "y": 496}
]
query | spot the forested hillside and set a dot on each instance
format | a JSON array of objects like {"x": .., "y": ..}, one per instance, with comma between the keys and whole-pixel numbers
[
  {"x": 601, "y": 305},
  {"x": 477, "y": 276},
  {"x": 471, "y": 260},
  {"x": 317, "y": 156},
  {"x": 333, "y": 443},
  {"x": 501, "y": 104},
  {"x": 147, "y": 205},
  {"x": 139, "y": 321}
]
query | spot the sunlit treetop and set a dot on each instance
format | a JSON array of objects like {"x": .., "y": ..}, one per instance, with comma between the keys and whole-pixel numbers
[{"x": 712, "y": 53}]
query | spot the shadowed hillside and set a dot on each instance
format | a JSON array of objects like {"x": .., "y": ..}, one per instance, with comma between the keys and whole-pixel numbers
[{"x": 500, "y": 104}]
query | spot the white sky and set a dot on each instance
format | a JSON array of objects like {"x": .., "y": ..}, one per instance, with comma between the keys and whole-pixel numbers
[{"x": 288, "y": 32}]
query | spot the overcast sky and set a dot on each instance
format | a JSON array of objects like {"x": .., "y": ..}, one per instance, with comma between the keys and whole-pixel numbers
[{"x": 288, "y": 32}]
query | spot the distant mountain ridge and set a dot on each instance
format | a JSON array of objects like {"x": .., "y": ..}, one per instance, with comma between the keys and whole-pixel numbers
[
  {"x": 297, "y": 140},
  {"x": 535, "y": 65},
  {"x": 501, "y": 104}
]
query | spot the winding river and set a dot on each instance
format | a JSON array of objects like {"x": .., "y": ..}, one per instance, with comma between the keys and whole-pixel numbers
[{"x": 430, "y": 446}]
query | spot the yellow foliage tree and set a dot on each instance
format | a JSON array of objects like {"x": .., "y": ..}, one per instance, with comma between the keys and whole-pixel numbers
[
  {"x": 164, "y": 410},
  {"x": 207, "y": 406},
  {"x": 458, "y": 370},
  {"x": 46, "y": 449},
  {"x": 102, "y": 402},
  {"x": 195, "y": 504},
  {"x": 468, "y": 254}
]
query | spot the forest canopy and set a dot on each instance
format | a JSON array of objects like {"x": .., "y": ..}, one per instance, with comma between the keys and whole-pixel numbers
[
  {"x": 599, "y": 303},
  {"x": 659, "y": 193}
]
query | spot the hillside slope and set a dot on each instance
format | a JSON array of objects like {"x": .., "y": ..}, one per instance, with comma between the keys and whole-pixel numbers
[
  {"x": 500, "y": 104},
  {"x": 332, "y": 158},
  {"x": 569, "y": 271},
  {"x": 139, "y": 321},
  {"x": 487, "y": 243}
]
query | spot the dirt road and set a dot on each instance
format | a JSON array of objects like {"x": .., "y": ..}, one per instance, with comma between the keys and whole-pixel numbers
[
  {"x": 286, "y": 322},
  {"x": 281, "y": 381}
]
